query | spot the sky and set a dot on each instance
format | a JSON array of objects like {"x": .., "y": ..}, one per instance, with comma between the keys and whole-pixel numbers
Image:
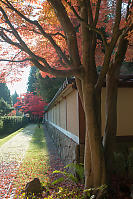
[{"x": 20, "y": 86}]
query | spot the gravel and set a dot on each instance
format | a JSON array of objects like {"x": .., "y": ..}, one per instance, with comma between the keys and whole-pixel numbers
[{"x": 11, "y": 155}]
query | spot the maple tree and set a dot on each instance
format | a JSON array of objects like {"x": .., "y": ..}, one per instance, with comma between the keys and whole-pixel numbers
[
  {"x": 12, "y": 113},
  {"x": 31, "y": 104},
  {"x": 71, "y": 38}
]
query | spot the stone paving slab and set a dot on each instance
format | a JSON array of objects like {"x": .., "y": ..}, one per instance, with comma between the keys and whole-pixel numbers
[
  {"x": 15, "y": 148},
  {"x": 11, "y": 155}
]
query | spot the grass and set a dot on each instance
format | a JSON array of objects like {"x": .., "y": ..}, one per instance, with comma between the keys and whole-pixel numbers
[
  {"x": 8, "y": 137},
  {"x": 35, "y": 163}
]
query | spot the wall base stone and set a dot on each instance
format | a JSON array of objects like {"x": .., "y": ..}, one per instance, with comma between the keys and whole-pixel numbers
[{"x": 67, "y": 148}]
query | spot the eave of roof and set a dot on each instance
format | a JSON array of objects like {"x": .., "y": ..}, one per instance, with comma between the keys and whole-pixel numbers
[
  {"x": 67, "y": 82},
  {"x": 125, "y": 80}
]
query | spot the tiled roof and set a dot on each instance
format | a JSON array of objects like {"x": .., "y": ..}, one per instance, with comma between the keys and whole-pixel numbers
[{"x": 125, "y": 80}]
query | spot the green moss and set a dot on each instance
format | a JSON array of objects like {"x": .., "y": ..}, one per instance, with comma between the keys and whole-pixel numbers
[{"x": 35, "y": 163}]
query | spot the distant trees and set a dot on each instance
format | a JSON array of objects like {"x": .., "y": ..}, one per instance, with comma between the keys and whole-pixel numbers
[
  {"x": 5, "y": 100},
  {"x": 4, "y": 107},
  {"x": 44, "y": 86},
  {"x": 14, "y": 97},
  {"x": 32, "y": 80},
  {"x": 48, "y": 86},
  {"x": 5, "y": 93}
]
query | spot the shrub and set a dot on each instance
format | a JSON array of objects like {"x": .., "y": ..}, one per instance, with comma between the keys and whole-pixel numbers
[
  {"x": 76, "y": 176},
  {"x": 11, "y": 124}
]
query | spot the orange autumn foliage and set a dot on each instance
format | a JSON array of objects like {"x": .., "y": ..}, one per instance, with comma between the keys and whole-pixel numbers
[
  {"x": 30, "y": 103},
  {"x": 41, "y": 46}
]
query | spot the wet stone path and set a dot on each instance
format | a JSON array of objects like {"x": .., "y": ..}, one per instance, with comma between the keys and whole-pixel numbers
[{"x": 11, "y": 155}]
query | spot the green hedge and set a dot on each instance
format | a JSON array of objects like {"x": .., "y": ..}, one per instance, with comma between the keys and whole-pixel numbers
[{"x": 11, "y": 124}]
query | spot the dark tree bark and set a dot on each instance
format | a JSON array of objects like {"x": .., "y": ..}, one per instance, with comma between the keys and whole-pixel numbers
[{"x": 109, "y": 140}]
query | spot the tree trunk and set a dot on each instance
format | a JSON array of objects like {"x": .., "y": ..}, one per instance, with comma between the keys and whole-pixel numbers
[
  {"x": 111, "y": 106},
  {"x": 94, "y": 156},
  {"x": 111, "y": 120}
]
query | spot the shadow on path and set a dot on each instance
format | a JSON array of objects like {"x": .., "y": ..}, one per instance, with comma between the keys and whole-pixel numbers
[{"x": 55, "y": 160}]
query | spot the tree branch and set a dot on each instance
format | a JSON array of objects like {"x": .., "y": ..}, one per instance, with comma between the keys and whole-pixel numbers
[
  {"x": 57, "y": 33},
  {"x": 34, "y": 58},
  {"x": 57, "y": 48},
  {"x": 37, "y": 32},
  {"x": 69, "y": 30},
  {"x": 9, "y": 31},
  {"x": 90, "y": 27},
  {"x": 128, "y": 11},
  {"x": 121, "y": 51},
  {"x": 8, "y": 40},
  {"x": 101, "y": 34},
  {"x": 47, "y": 68},
  {"x": 10, "y": 6},
  {"x": 16, "y": 61},
  {"x": 90, "y": 13},
  {"x": 97, "y": 12},
  {"x": 116, "y": 34},
  {"x": 107, "y": 58},
  {"x": 117, "y": 16},
  {"x": 60, "y": 73},
  {"x": 46, "y": 35},
  {"x": 74, "y": 11},
  {"x": 2, "y": 41},
  {"x": 122, "y": 44},
  {"x": 16, "y": 54},
  {"x": 22, "y": 44}
]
